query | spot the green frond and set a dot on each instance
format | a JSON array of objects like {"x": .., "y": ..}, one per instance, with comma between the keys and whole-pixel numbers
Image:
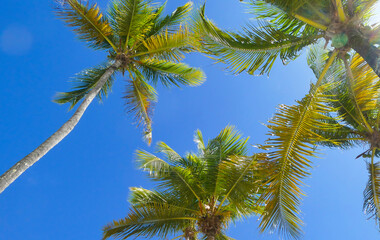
[
  {"x": 168, "y": 46},
  {"x": 237, "y": 181},
  {"x": 227, "y": 144},
  {"x": 150, "y": 220},
  {"x": 371, "y": 193},
  {"x": 357, "y": 94},
  {"x": 140, "y": 196},
  {"x": 198, "y": 139},
  {"x": 88, "y": 22},
  {"x": 172, "y": 178},
  {"x": 131, "y": 20},
  {"x": 151, "y": 163},
  {"x": 171, "y": 73},
  {"x": 291, "y": 144},
  {"x": 140, "y": 97},
  {"x": 173, "y": 21},
  {"x": 169, "y": 153},
  {"x": 83, "y": 82},
  {"x": 316, "y": 11},
  {"x": 256, "y": 48}
]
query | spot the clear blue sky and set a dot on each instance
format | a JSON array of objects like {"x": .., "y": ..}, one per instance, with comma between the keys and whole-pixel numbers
[{"x": 83, "y": 183}]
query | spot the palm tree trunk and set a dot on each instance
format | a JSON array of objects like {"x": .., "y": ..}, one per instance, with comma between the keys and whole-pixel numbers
[
  {"x": 366, "y": 50},
  {"x": 14, "y": 172}
]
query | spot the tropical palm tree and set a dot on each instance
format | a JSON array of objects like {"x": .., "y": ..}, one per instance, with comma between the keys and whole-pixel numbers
[
  {"x": 288, "y": 27},
  {"x": 285, "y": 27},
  {"x": 341, "y": 110},
  {"x": 357, "y": 100},
  {"x": 197, "y": 194},
  {"x": 141, "y": 43}
]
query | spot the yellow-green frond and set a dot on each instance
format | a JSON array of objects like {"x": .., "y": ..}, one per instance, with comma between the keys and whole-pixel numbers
[
  {"x": 291, "y": 145},
  {"x": 88, "y": 22},
  {"x": 140, "y": 97},
  {"x": 371, "y": 193},
  {"x": 168, "y": 46},
  {"x": 171, "y": 73}
]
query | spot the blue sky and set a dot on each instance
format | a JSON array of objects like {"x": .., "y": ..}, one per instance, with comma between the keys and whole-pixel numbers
[{"x": 82, "y": 184}]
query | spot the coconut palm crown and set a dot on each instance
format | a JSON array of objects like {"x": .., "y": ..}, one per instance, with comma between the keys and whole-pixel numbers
[
  {"x": 141, "y": 43},
  {"x": 196, "y": 194}
]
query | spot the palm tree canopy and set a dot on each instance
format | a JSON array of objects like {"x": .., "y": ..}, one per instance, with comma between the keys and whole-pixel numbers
[
  {"x": 201, "y": 191},
  {"x": 341, "y": 110},
  {"x": 285, "y": 27},
  {"x": 148, "y": 45}
]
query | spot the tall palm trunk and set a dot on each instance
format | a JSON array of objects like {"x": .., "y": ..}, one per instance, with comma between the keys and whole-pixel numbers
[
  {"x": 366, "y": 50},
  {"x": 14, "y": 172}
]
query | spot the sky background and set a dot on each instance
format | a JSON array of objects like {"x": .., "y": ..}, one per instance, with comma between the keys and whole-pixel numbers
[{"x": 82, "y": 183}]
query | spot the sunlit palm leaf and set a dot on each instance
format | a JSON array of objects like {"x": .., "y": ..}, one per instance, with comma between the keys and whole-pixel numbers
[
  {"x": 131, "y": 19},
  {"x": 170, "y": 177},
  {"x": 292, "y": 143},
  {"x": 371, "y": 193},
  {"x": 173, "y": 21},
  {"x": 255, "y": 48},
  {"x": 141, "y": 197},
  {"x": 168, "y": 46},
  {"x": 83, "y": 83},
  {"x": 140, "y": 97},
  {"x": 228, "y": 143},
  {"x": 149, "y": 220},
  {"x": 239, "y": 180},
  {"x": 171, "y": 73},
  {"x": 88, "y": 22}
]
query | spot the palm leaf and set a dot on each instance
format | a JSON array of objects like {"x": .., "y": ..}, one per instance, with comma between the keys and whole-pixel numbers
[
  {"x": 173, "y": 21},
  {"x": 88, "y": 22},
  {"x": 168, "y": 46},
  {"x": 170, "y": 178},
  {"x": 139, "y": 102},
  {"x": 371, "y": 193},
  {"x": 131, "y": 20},
  {"x": 293, "y": 136},
  {"x": 83, "y": 83},
  {"x": 227, "y": 144},
  {"x": 256, "y": 48},
  {"x": 238, "y": 181},
  {"x": 171, "y": 73},
  {"x": 149, "y": 220}
]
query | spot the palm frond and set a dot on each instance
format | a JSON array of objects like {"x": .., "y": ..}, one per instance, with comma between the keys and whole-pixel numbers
[
  {"x": 131, "y": 20},
  {"x": 198, "y": 139},
  {"x": 168, "y": 46},
  {"x": 88, "y": 22},
  {"x": 149, "y": 220},
  {"x": 140, "y": 97},
  {"x": 83, "y": 83},
  {"x": 171, "y": 73},
  {"x": 140, "y": 196},
  {"x": 173, "y": 21},
  {"x": 228, "y": 143},
  {"x": 238, "y": 181},
  {"x": 255, "y": 49},
  {"x": 292, "y": 142},
  {"x": 170, "y": 177},
  {"x": 371, "y": 205}
]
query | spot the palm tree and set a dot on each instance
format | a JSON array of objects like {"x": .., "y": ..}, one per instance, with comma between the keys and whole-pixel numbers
[
  {"x": 141, "y": 43},
  {"x": 288, "y": 27},
  {"x": 357, "y": 100},
  {"x": 341, "y": 110},
  {"x": 197, "y": 194},
  {"x": 285, "y": 27}
]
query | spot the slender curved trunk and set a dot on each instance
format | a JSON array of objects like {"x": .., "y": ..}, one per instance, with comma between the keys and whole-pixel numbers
[
  {"x": 16, "y": 170},
  {"x": 365, "y": 49}
]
